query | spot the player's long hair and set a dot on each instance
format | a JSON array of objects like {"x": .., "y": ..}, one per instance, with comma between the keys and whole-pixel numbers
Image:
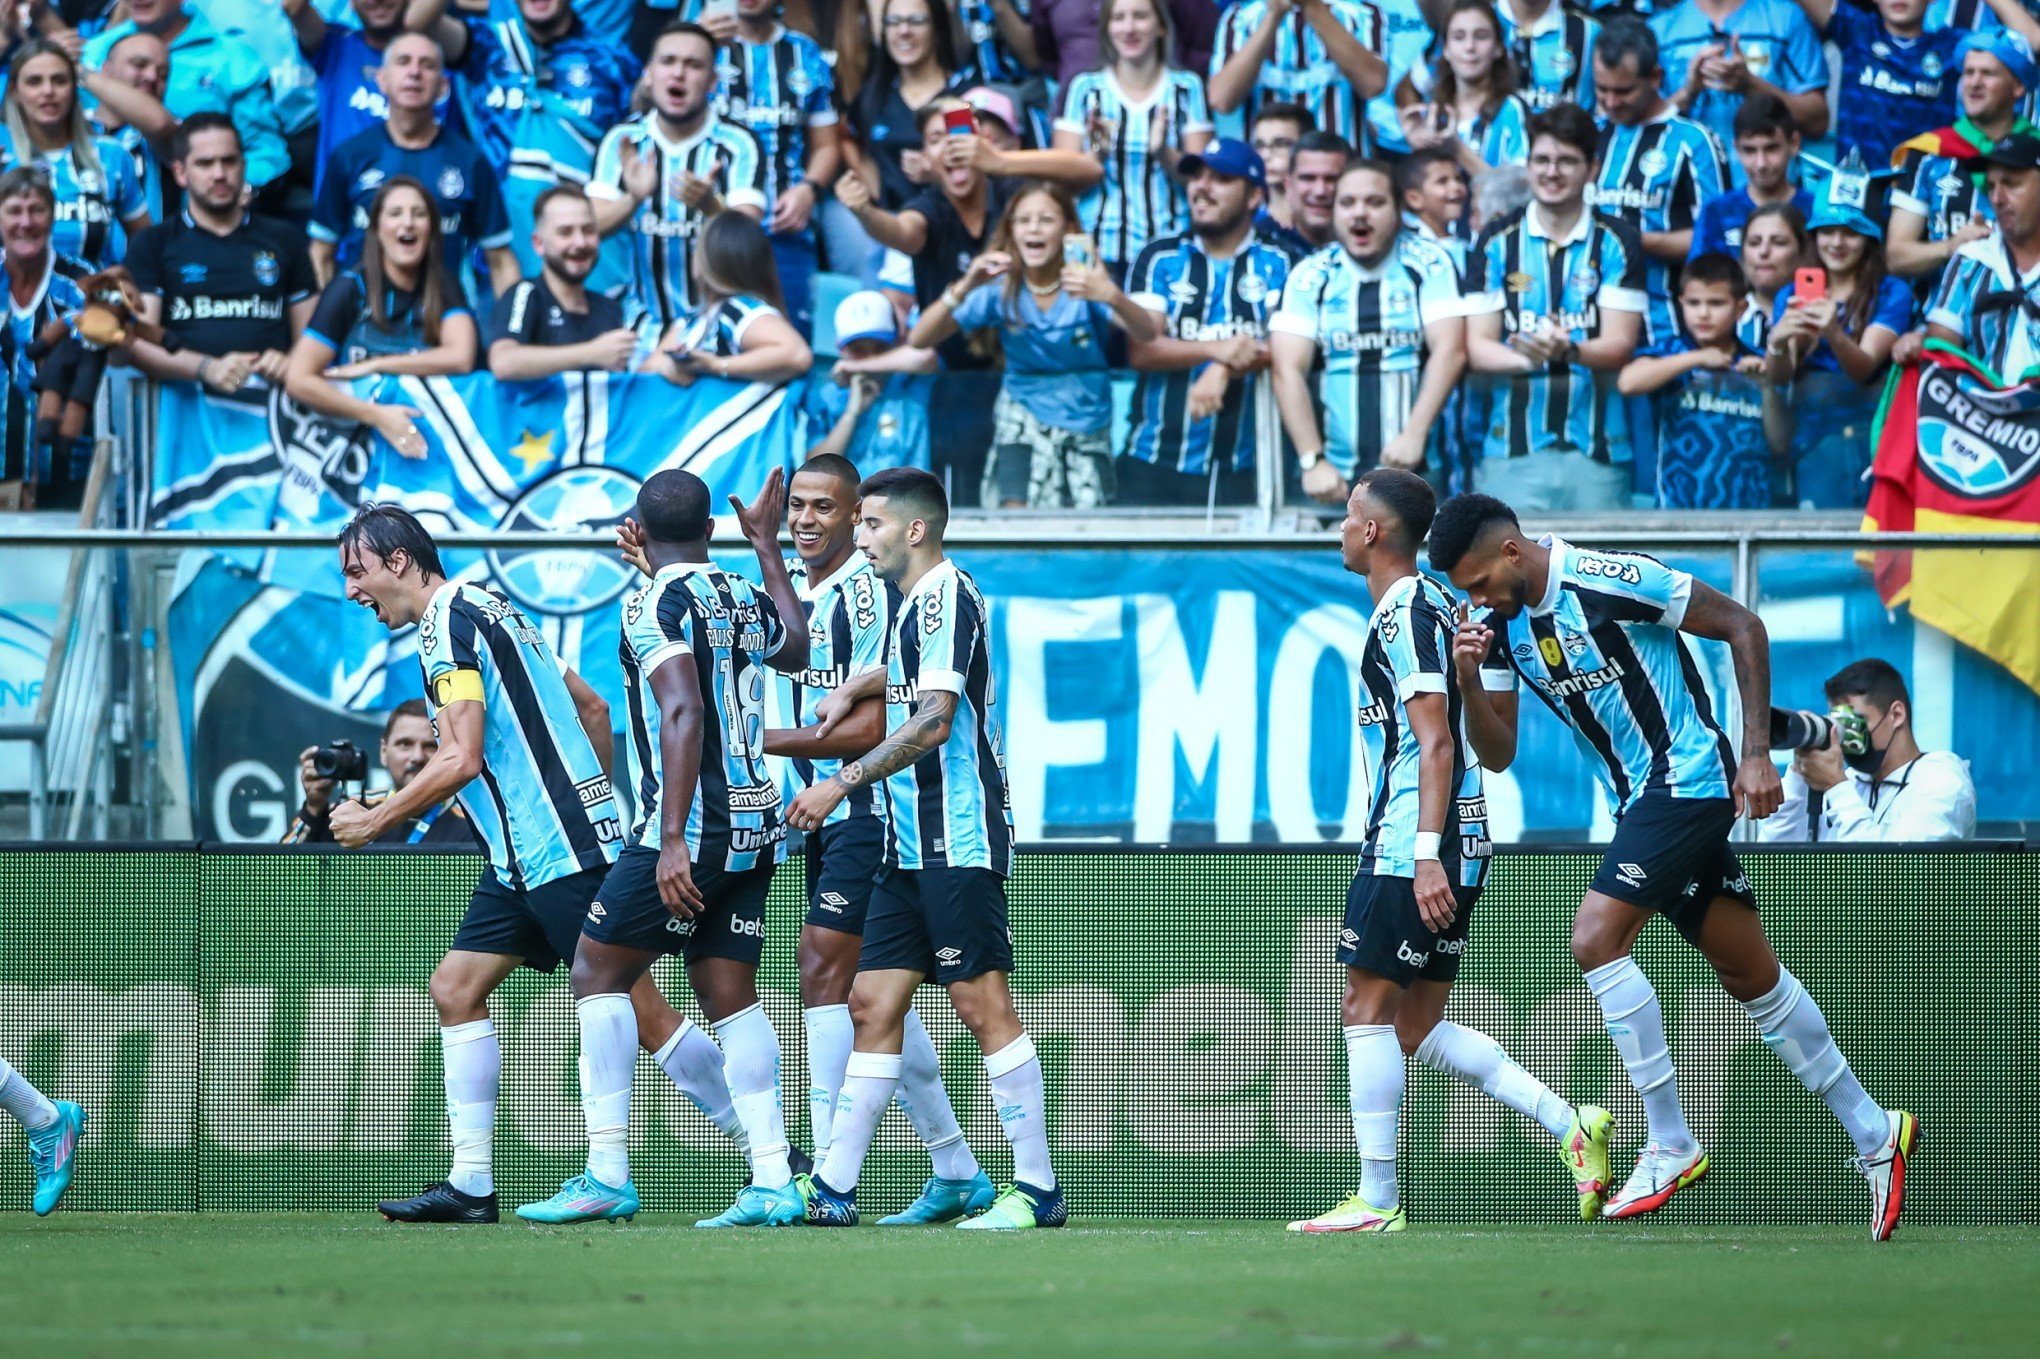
[
  {"x": 84, "y": 154},
  {"x": 1502, "y": 76},
  {"x": 1002, "y": 237},
  {"x": 432, "y": 294}
]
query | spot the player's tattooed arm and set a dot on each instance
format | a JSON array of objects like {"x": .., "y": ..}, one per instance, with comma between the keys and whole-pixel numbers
[
  {"x": 1711, "y": 614},
  {"x": 924, "y": 730}
]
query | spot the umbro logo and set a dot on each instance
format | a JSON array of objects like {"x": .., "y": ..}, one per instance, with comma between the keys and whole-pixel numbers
[
  {"x": 1632, "y": 874},
  {"x": 1349, "y": 939},
  {"x": 948, "y": 955},
  {"x": 596, "y": 911},
  {"x": 834, "y": 901}
]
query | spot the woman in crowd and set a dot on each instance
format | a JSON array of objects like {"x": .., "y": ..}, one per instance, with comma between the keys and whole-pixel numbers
[
  {"x": 1468, "y": 105},
  {"x": 1051, "y": 446},
  {"x": 1834, "y": 348},
  {"x": 915, "y": 63},
  {"x": 1775, "y": 242},
  {"x": 1138, "y": 116},
  {"x": 398, "y": 313},
  {"x": 740, "y": 330},
  {"x": 42, "y": 286},
  {"x": 97, "y": 190}
]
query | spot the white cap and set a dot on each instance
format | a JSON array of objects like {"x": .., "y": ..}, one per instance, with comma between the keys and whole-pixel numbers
[{"x": 866, "y": 315}]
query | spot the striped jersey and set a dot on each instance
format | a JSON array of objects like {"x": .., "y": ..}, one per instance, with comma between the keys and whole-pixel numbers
[
  {"x": 664, "y": 229},
  {"x": 1501, "y": 137},
  {"x": 538, "y": 111},
  {"x": 717, "y": 330},
  {"x": 1984, "y": 299},
  {"x": 991, "y": 56},
  {"x": 1602, "y": 649},
  {"x": 150, "y": 173},
  {"x": 849, "y": 614},
  {"x": 726, "y": 629},
  {"x": 1138, "y": 200},
  {"x": 91, "y": 204},
  {"x": 1299, "y": 69},
  {"x": 1554, "y": 55},
  {"x": 1777, "y": 44},
  {"x": 1409, "y": 652},
  {"x": 778, "y": 89},
  {"x": 1201, "y": 297},
  {"x": 1655, "y": 176},
  {"x": 57, "y": 297},
  {"x": 1368, "y": 324},
  {"x": 541, "y": 804},
  {"x": 951, "y": 809},
  {"x": 1519, "y": 269}
]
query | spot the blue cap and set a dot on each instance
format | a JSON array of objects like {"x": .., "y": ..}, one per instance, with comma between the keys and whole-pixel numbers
[
  {"x": 1228, "y": 156},
  {"x": 2008, "y": 47},
  {"x": 1827, "y": 214}
]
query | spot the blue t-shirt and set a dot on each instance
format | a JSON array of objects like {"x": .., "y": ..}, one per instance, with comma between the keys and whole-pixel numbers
[
  {"x": 453, "y": 169},
  {"x": 892, "y": 432},
  {"x": 1718, "y": 230},
  {"x": 1776, "y": 41},
  {"x": 1892, "y": 88},
  {"x": 1055, "y": 361},
  {"x": 1711, "y": 452},
  {"x": 350, "y": 102}
]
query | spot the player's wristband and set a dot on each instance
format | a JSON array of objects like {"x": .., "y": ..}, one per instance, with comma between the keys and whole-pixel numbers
[{"x": 1427, "y": 846}]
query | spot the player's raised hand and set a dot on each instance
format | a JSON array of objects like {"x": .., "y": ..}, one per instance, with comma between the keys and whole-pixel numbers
[
  {"x": 630, "y": 545},
  {"x": 1436, "y": 905},
  {"x": 760, "y": 520},
  {"x": 352, "y": 824},
  {"x": 1758, "y": 789},
  {"x": 675, "y": 876}
]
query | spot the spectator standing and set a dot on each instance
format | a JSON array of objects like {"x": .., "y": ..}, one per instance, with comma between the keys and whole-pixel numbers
[
  {"x": 1897, "y": 75},
  {"x": 348, "y": 59},
  {"x": 1766, "y": 152},
  {"x": 1137, "y": 116},
  {"x": 1051, "y": 447},
  {"x": 210, "y": 72},
  {"x": 1275, "y": 131},
  {"x": 1469, "y": 106},
  {"x": 1559, "y": 311},
  {"x": 913, "y": 67},
  {"x": 408, "y": 741},
  {"x": 1991, "y": 287},
  {"x": 662, "y": 175},
  {"x": 1199, "y": 411},
  {"x": 1315, "y": 165},
  {"x": 1717, "y": 53},
  {"x": 1066, "y": 35},
  {"x": 1322, "y": 54},
  {"x": 999, "y": 35},
  {"x": 129, "y": 90},
  {"x": 613, "y": 23},
  {"x": 738, "y": 330},
  {"x": 1939, "y": 204},
  {"x": 97, "y": 193},
  {"x": 552, "y": 323},
  {"x": 1554, "y": 50},
  {"x": 42, "y": 286},
  {"x": 1431, "y": 189},
  {"x": 412, "y": 141},
  {"x": 1775, "y": 244},
  {"x": 872, "y": 407}
]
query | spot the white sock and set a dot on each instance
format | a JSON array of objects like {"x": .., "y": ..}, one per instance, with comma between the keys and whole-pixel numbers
[
  {"x": 751, "y": 1063},
  {"x": 694, "y": 1064},
  {"x": 1374, "y": 1084},
  {"x": 927, "y": 1105},
  {"x": 23, "y": 1100},
  {"x": 1794, "y": 1028},
  {"x": 1636, "y": 1025},
  {"x": 609, "y": 1047},
  {"x": 829, "y": 1037},
  {"x": 474, "y": 1068},
  {"x": 1022, "y": 1101},
  {"x": 1478, "y": 1060},
  {"x": 869, "y": 1079}
]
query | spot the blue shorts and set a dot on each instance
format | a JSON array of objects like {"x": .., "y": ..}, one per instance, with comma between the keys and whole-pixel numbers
[
  {"x": 842, "y": 867},
  {"x": 1671, "y": 855},
  {"x": 628, "y": 913},
  {"x": 948, "y": 924},
  {"x": 539, "y": 924},
  {"x": 1384, "y": 932}
]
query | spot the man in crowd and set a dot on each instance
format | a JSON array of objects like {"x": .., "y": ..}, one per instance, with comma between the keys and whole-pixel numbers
[
  {"x": 1315, "y": 164},
  {"x": 348, "y": 59},
  {"x": 553, "y": 323},
  {"x": 129, "y": 89},
  {"x": 1766, "y": 154},
  {"x": 408, "y": 741},
  {"x": 1554, "y": 50},
  {"x": 1322, "y": 54},
  {"x": 1717, "y": 53},
  {"x": 1897, "y": 73},
  {"x": 1981, "y": 304},
  {"x": 1939, "y": 204},
  {"x": 1275, "y": 131}
]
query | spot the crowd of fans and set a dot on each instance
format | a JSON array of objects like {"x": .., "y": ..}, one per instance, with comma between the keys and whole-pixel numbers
[{"x": 1639, "y": 255}]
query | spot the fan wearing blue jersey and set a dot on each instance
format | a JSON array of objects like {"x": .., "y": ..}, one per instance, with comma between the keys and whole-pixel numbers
[
  {"x": 1201, "y": 408},
  {"x": 1600, "y": 638},
  {"x": 661, "y": 176},
  {"x": 1467, "y": 102},
  {"x": 1980, "y": 304},
  {"x": 1767, "y": 152},
  {"x": 98, "y": 194},
  {"x": 692, "y": 879},
  {"x": 1897, "y": 76},
  {"x": 938, "y": 912},
  {"x": 1775, "y": 243},
  {"x": 1938, "y": 203},
  {"x": 348, "y": 59},
  {"x": 1384, "y": 310},
  {"x": 1322, "y": 54},
  {"x": 1717, "y": 53},
  {"x": 1553, "y": 45},
  {"x": 739, "y": 331},
  {"x": 128, "y": 90}
]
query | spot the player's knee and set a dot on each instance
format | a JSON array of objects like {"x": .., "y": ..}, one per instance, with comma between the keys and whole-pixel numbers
[
  {"x": 457, "y": 998},
  {"x": 1412, "y": 1030},
  {"x": 987, "y": 1013},
  {"x": 1594, "y": 944},
  {"x": 824, "y": 980}
]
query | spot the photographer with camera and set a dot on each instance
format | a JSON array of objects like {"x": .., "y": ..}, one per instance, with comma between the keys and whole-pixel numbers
[
  {"x": 408, "y": 741},
  {"x": 1857, "y": 774}
]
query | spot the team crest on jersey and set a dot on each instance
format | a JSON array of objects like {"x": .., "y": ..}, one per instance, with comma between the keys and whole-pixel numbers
[
  {"x": 1575, "y": 643},
  {"x": 370, "y": 179},
  {"x": 1931, "y": 64},
  {"x": 888, "y": 425},
  {"x": 1880, "y": 49},
  {"x": 452, "y": 184},
  {"x": 1586, "y": 282},
  {"x": 1253, "y": 287},
  {"x": 1654, "y": 161},
  {"x": 1564, "y": 62},
  {"x": 798, "y": 84},
  {"x": 1397, "y": 298},
  {"x": 1518, "y": 282},
  {"x": 267, "y": 269},
  {"x": 577, "y": 75}
]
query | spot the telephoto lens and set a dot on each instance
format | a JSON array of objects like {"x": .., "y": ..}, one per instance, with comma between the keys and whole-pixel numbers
[{"x": 1797, "y": 729}]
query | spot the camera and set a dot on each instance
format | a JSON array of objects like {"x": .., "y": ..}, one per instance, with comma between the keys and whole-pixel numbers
[
  {"x": 343, "y": 763},
  {"x": 1797, "y": 729}
]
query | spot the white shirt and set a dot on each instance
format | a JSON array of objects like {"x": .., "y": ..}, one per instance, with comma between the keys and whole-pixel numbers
[{"x": 1931, "y": 798}]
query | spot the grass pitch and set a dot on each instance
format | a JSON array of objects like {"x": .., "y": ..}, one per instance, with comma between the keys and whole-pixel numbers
[{"x": 172, "y": 1285}]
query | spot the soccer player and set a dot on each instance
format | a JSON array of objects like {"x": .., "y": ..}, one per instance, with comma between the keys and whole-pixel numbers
[
  {"x": 1597, "y": 635},
  {"x": 526, "y": 744},
  {"x": 849, "y": 616},
  {"x": 939, "y": 908},
  {"x": 1422, "y": 864},
  {"x": 52, "y": 1127},
  {"x": 693, "y": 878}
]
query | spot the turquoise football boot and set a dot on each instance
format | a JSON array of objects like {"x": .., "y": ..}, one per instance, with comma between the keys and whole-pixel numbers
[
  {"x": 945, "y": 1201},
  {"x": 584, "y": 1199}
]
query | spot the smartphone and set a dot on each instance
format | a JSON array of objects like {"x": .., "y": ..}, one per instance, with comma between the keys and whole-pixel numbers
[
  {"x": 960, "y": 122},
  {"x": 1077, "y": 251},
  {"x": 719, "y": 9},
  {"x": 1809, "y": 285}
]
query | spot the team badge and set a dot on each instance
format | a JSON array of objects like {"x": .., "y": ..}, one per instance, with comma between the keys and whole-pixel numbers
[
  {"x": 1253, "y": 288},
  {"x": 370, "y": 179},
  {"x": 452, "y": 184},
  {"x": 1517, "y": 282},
  {"x": 1564, "y": 63},
  {"x": 798, "y": 84},
  {"x": 577, "y": 75},
  {"x": 1575, "y": 643},
  {"x": 1585, "y": 281},
  {"x": 1398, "y": 299},
  {"x": 1757, "y": 56},
  {"x": 267, "y": 270},
  {"x": 1882, "y": 51},
  {"x": 888, "y": 425},
  {"x": 1654, "y": 162},
  {"x": 1553, "y": 653},
  {"x": 1931, "y": 64}
]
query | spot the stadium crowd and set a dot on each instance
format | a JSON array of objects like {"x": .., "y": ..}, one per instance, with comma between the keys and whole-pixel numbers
[{"x": 1644, "y": 255}]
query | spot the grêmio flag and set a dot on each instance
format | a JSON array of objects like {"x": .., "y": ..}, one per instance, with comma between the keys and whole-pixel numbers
[{"x": 1958, "y": 451}]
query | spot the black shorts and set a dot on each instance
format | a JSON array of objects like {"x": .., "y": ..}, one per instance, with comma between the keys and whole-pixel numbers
[
  {"x": 948, "y": 924},
  {"x": 1384, "y": 932},
  {"x": 540, "y": 924},
  {"x": 627, "y": 910},
  {"x": 842, "y": 865},
  {"x": 1671, "y": 855}
]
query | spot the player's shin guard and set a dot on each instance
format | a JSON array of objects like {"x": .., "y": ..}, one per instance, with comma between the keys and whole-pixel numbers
[
  {"x": 869, "y": 1080},
  {"x": 694, "y": 1064},
  {"x": 1794, "y": 1028},
  {"x": 1478, "y": 1060},
  {"x": 926, "y": 1103},
  {"x": 474, "y": 1068},
  {"x": 751, "y": 1064},
  {"x": 23, "y": 1100},
  {"x": 829, "y": 1039},
  {"x": 1019, "y": 1096},
  {"x": 1636, "y": 1025},
  {"x": 609, "y": 1048},
  {"x": 1374, "y": 1084}
]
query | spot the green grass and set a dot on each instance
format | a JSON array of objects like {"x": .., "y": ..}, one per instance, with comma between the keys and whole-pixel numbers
[{"x": 172, "y": 1285}]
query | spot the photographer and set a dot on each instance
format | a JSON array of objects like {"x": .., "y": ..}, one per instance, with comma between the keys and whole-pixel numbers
[
  {"x": 408, "y": 741},
  {"x": 1889, "y": 792}
]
